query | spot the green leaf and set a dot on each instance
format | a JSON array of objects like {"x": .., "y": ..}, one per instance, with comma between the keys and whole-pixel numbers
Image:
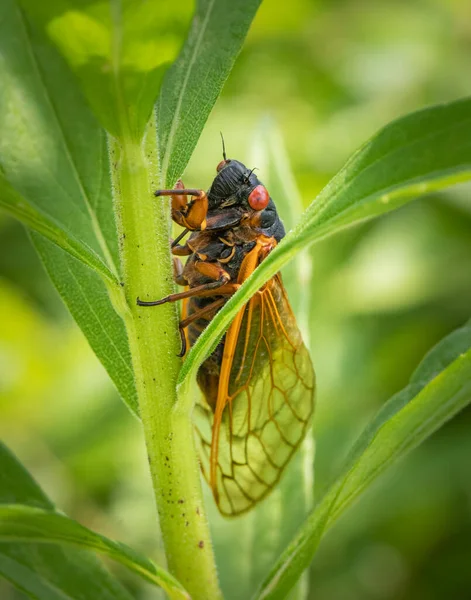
[
  {"x": 432, "y": 398},
  {"x": 55, "y": 178},
  {"x": 17, "y": 207},
  {"x": 28, "y": 516},
  {"x": 48, "y": 572},
  {"x": 52, "y": 150},
  {"x": 19, "y": 523},
  {"x": 194, "y": 82},
  {"x": 89, "y": 302},
  {"x": 421, "y": 152},
  {"x": 442, "y": 354},
  {"x": 118, "y": 50}
]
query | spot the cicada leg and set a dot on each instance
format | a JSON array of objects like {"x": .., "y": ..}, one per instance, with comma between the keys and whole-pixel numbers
[
  {"x": 203, "y": 312},
  {"x": 181, "y": 250},
  {"x": 221, "y": 286},
  {"x": 178, "y": 239},
  {"x": 178, "y": 272},
  {"x": 191, "y": 215}
]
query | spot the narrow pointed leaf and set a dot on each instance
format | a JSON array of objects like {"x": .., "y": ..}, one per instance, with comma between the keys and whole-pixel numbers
[
  {"x": 16, "y": 206},
  {"x": 193, "y": 84},
  {"x": 52, "y": 150},
  {"x": 405, "y": 421},
  {"x": 55, "y": 178},
  {"x": 48, "y": 572},
  {"x": 19, "y": 523},
  {"x": 88, "y": 300}
]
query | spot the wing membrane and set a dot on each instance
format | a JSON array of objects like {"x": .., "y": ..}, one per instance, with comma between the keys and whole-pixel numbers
[{"x": 266, "y": 407}]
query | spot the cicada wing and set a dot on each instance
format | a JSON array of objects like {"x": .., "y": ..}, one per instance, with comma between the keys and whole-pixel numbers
[{"x": 268, "y": 404}]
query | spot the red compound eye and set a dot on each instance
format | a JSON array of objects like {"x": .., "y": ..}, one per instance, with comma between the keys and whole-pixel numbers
[
  {"x": 222, "y": 164},
  {"x": 259, "y": 198}
]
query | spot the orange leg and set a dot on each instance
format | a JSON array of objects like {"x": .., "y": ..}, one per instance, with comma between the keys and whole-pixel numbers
[
  {"x": 179, "y": 201},
  {"x": 181, "y": 250},
  {"x": 190, "y": 215}
]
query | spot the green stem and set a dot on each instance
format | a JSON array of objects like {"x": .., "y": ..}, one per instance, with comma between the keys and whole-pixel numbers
[{"x": 144, "y": 230}]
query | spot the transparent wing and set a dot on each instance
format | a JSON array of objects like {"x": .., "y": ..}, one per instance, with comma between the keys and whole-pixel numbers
[{"x": 267, "y": 406}]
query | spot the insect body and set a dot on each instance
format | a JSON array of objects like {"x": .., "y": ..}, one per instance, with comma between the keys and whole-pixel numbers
[{"x": 258, "y": 384}]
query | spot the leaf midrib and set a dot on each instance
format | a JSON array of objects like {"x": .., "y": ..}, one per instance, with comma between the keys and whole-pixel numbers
[{"x": 176, "y": 114}]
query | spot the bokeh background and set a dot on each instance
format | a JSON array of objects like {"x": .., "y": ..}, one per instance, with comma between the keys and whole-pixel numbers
[{"x": 325, "y": 75}]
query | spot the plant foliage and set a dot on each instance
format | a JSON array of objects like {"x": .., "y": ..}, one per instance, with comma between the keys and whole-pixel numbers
[{"x": 80, "y": 78}]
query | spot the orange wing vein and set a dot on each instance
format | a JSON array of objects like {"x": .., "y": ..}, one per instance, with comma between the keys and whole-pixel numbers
[{"x": 265, "y": 402}]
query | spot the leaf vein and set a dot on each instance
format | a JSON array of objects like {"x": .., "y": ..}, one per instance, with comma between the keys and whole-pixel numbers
[{"x": 176, "y": 115}]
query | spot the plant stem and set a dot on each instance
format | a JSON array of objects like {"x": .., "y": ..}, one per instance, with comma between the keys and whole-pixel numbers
[{"x": 144, "y": 231}]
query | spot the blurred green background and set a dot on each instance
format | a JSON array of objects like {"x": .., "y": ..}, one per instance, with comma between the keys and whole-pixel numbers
[{"x": 328, "y": 74}]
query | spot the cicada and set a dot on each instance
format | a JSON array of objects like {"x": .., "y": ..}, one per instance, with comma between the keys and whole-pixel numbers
[{"x": 258, "y": 385}]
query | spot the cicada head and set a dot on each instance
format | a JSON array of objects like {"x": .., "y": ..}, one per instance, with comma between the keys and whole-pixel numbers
[
  {"x": 232, "y": 185},
  {"x": 237, "y": 186}
]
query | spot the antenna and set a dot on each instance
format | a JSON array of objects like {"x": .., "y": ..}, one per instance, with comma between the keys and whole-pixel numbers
[
  {"x": 247, "y": 177},
  {"x": 223, "y": 147}
]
